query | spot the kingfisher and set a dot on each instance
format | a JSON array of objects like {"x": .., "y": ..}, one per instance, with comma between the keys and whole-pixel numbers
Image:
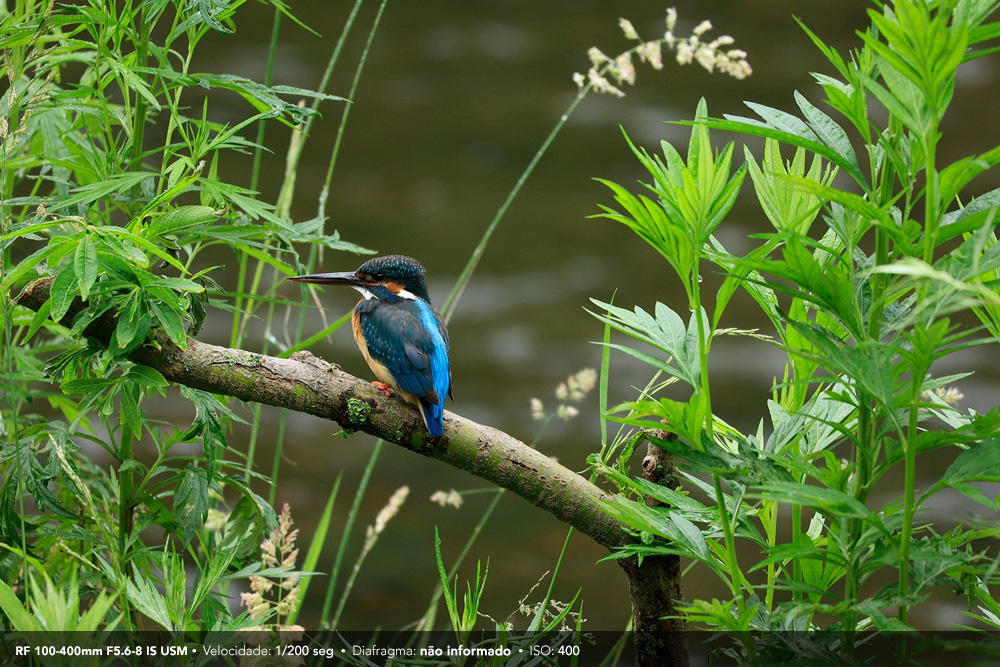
[{"x": 401, "y": 335}]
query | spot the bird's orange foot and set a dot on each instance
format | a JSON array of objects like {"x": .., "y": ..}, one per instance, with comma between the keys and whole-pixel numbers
[{"x": 383, "y": 387}]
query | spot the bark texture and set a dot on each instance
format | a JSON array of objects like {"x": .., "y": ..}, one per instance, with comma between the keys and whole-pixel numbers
[
  {"x": 654, "y": 586},
  {"x": 306, "y": 383}
]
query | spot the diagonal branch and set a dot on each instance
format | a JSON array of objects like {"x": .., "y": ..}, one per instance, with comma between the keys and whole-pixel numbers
[{"x": 306, "y": 383}]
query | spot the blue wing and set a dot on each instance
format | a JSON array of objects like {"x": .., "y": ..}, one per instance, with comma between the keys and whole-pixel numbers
[{"x": 409, "y": 339}]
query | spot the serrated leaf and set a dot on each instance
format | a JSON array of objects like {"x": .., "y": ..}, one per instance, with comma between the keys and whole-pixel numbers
[
  {"x": 62, "y": 292},
  {"x": 147, "y": 377},
  {"x": 171, "y": 322},
  {"x": 829, "y": 132},
  {"x": 85, "y": 265},
  {"x": 980, "y": 463},
  {"x": 143, "y": 595},
  {"x": 191, "y": 502},
  {"x": 128, "y": 322},
  {"x": 19, "y": 617},
  {"x": 182, "y": 218},
  {"x": 835, "y": 503}
]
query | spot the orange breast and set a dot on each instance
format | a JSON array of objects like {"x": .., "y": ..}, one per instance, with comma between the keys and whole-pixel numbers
[{"x": 380, "y": 371}]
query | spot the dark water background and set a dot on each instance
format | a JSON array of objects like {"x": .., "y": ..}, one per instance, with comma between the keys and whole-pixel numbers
[{"x": 455, "y": 99}]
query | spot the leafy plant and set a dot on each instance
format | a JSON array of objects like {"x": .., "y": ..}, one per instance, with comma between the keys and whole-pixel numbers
[
  {"x": 868, "y": 281},
  {"x": 127, "y": 229}
]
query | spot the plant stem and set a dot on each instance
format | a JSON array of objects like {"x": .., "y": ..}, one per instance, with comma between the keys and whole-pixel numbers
[
  {"x": 736, "y": 580},
  {"x": 125, "y": 492},
  {"x": 346, "y": 533},
  {"x": 932, "y": 220},
  {"x": 235, "y": 333},
  {"x": 910, "y": 461},
  {"x": 141, "y": 105},
  {"x": 427, "y": 621},
  {"x": 796, "y": 531},
  {"x": 294, "y": 155},
  {"x": 347, "y": 110},
  {"x": 272, "y": 49},
  {"x": 477, "y": 254}
]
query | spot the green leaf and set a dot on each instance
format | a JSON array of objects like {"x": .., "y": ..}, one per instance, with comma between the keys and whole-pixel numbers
[
  {"x": 980, "y": 463},
  {"x": 62, "y": 292},
  {"x": 128, "y": 322},
  {"x": 785, "y": 203},
  {"x": 85, "y": 265},
  {"x": 147, "y": 377},
  {"x": 828, "y": 131},
  {"x": 20, "y": 619},
  {"x": 130, "y": 413},
  {"x": 251, "y": 520},
  {"x": 171, "y": 322},
  {"x": 207, "y": 425},
  {"x": 178, "y": 284},
  {"x": 833, "y": 503},
  {"x": 191, "y": 502},
  {"x": 806, "y": 140},
  {"x": 181, "y": 218},
  {"x": 913, "y": 120},
  {"x": 88, "y": 194},
  {"x": 132, "y": 81},
  {"x": 143, "y": 595},
  {"x": 666, "y": 331}
]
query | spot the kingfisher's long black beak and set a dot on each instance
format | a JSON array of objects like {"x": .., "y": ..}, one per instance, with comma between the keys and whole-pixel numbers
[{"x": 342, "y": 278}]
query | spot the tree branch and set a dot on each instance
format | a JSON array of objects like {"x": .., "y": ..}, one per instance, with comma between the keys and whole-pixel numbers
[{"x": 306, "y": 383}]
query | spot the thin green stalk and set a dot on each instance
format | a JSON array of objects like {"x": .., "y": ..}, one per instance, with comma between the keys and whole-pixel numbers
[
  {"x": 279, "y": 448},
  {"x": 284, "y": 198},
  {"x": 932, "y": 220},
  {"x": 771, "y": 528},
  {"x": 315, "y": 548},
  {"x": 555, "y": 570},
  {"x": 125, "y": 490},
  {"x": 427, "y": 621},
  {"x": 141, "y": 105},
  {"x": 736, "y": 580},
  {"x": 284, "y": 201},
  {"x": 293, "y": 157},
  {"x": 235, "y": 333},
  {"x": 909, "y": 493},
  {"x": 272, "y": 49},
  {"x": 345, "y": 535},
  {"x": 284, "y": 204},
  {"x": 324, "y": 194},
  {"x": 796, "y": 531},
  {"x": 477, "y": 254}
]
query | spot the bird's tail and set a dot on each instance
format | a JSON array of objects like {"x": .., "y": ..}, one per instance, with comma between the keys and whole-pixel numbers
[{"x": 433, "y": 414}]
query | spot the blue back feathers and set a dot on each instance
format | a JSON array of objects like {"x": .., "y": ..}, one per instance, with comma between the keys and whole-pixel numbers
[
  {"x": 440, "y": 367},
  {"x": 408, "y": 337}
]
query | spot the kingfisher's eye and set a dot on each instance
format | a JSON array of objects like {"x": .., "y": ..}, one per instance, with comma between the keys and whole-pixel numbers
[{"x": 378, "y": 278}]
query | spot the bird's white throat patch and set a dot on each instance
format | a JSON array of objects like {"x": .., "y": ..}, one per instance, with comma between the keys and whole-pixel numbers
[
  {"x": 402, "y": 294},
  {"x": 365, "y": 293}
]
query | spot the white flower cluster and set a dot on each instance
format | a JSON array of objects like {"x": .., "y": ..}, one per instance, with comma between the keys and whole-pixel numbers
[
  {"x": 386, "y": 513},
  {"x": 950, "y": 395},
  {"x": 712, "y": 55},
  {"x": 575, "y": 388},
  {"x": 448, "y": 498},
  {"x": 277, "y": 551}
]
